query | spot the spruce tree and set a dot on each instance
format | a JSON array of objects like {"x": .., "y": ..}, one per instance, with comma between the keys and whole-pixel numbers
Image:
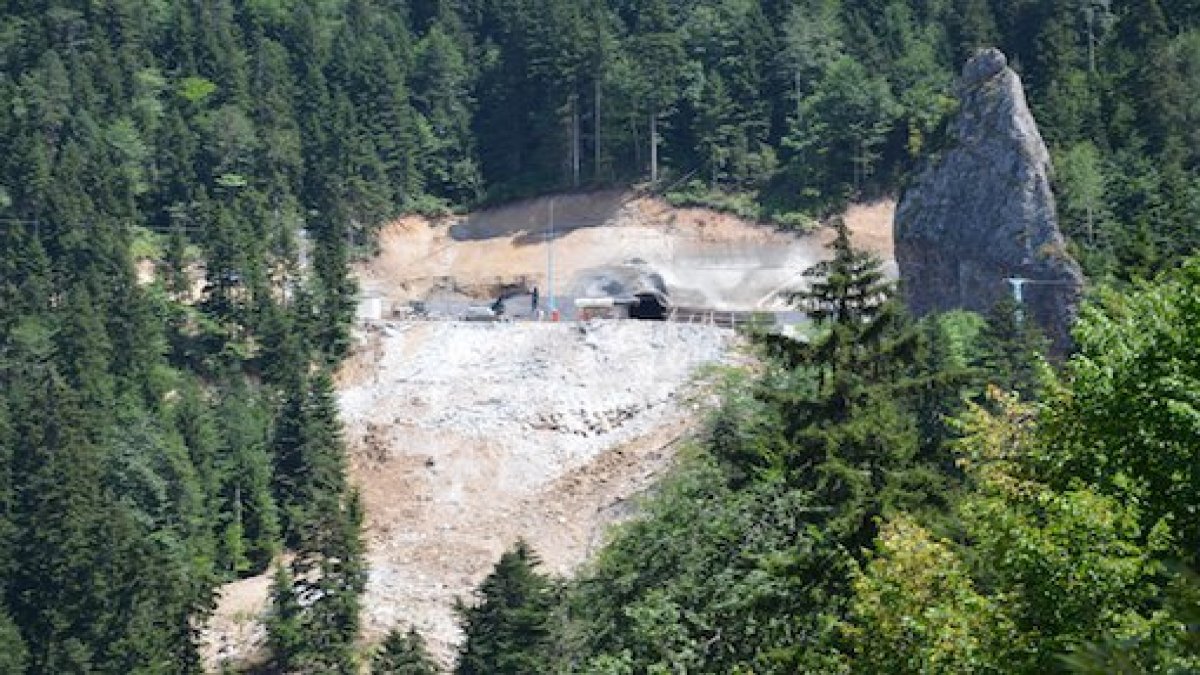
[
  {"x": 249, "y": 516},
  {"x": 849, "y": 289},
  {"x": 285, "y": 624},
  {"x": 508, "y": 629},
  {"x": 1010, "y": 347},
  {"x": 333, "y": 617},
  {"x": 14, "y": 656},
  {"x": 849, "y": 300},
  {"x": 317, "y": 597},
  {"x": 403, "y": 654},
  {"x": 310, "y": 480},
  {"x": 7, "y": 495}
]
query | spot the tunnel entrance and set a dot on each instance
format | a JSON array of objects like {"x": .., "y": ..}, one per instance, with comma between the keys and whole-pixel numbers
[{"x": 650, "y": 305}]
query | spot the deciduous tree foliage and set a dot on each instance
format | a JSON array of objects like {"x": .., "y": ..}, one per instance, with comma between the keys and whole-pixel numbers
[{"x": 1126, "y": 419}]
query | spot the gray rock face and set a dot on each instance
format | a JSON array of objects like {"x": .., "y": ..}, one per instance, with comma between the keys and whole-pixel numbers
[{"x": 983, "y": 213}]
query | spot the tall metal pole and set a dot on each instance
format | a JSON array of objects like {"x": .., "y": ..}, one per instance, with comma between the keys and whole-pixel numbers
[
  {"x": 550, "y": 262},
  {"x": 1018, "y": 286}
]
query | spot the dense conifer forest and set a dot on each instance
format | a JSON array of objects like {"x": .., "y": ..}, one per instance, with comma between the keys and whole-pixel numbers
[{"x": 894, "y": 496}]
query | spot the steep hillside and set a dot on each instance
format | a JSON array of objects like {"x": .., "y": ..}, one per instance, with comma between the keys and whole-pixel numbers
[{"x": 465, "y": 437}]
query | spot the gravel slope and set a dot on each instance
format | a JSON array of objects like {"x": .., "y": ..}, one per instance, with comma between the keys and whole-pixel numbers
[{"x": 468, "y": 436}]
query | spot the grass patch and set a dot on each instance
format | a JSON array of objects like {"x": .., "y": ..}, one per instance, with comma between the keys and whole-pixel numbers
[
  {"x": 147, "y": 244},
  {"x": 741, "y": 204}
]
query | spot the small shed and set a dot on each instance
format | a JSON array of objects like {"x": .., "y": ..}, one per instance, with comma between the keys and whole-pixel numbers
[
  {"x": 597, "y": 308},
  {"x": 370, "y": 307}
]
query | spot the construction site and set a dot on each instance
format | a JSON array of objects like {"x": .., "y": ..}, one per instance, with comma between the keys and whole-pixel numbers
[{"x": 476, "y": 415}]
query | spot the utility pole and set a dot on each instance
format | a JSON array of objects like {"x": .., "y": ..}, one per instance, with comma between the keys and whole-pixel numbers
[
  {"x": 551, "y": 303},
  {"x": 654, "y": 146},
  {"x": 576, "y": 151}
]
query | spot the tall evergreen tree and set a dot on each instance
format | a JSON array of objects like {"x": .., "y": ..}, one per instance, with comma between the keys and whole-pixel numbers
[
  {"x": 508, "y": 628},
  {"x": 403, "y": 654},
  {"x": 848, "y": 299},
  {"x": 13, "y": 653},
  {"x": 1010, "y": 348}
]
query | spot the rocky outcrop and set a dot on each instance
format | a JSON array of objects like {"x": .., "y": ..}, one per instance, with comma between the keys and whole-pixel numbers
[{"x": 981, "y": 217}]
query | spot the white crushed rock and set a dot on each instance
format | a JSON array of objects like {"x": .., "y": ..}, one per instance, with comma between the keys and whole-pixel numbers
[{"x": 466, "y": 436}]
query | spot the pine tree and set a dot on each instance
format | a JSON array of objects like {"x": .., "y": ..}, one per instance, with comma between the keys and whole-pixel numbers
[
  {"x": 849, "y": 299},
  {"x": 333, "y": 618},
  {"x": 1010, "y": 347},
  {"x": 440, "y": 83},
  {"x": 56, "y": 585},
  {"x": 849, "y": 289},
  {"x": 323, "y": 523},
  {"x": 247, "y": 507},
  {"x": 7, "y": 495},
  {"x": 285, "y": 627},
  {"x": 508, "y": 629},
  {"x": 941, "y": 378},
  {"x": 14, "y": 656},
  {"x": 658, "y": 51},
  {"x": 315, "y": 599},
  {"x": 309, "y": 475},
  {"x": 403, "y": 654}
]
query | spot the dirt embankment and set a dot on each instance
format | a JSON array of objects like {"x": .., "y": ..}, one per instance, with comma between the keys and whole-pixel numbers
[{"x": 705, "y": 258}]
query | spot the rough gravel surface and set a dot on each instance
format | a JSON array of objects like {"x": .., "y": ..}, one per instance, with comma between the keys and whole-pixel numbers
[
  {"x": 464, "y": 437},
  {"x": 468, "y": 436}
]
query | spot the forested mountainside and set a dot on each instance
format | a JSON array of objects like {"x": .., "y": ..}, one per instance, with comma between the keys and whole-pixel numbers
[
  {"x": 902, "y": 497},
  {"x": 769, "y": 107},
  {"x": 159, "y": 438}
]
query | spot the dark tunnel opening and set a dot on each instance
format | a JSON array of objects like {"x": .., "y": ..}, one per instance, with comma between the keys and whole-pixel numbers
[{"x": 650, "y": 305}]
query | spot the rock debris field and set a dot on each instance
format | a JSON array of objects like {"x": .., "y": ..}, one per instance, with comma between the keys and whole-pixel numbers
[{"x": 467, "y": 436}]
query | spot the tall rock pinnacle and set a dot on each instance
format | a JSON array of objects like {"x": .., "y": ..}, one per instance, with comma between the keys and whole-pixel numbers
[{"x": 980, "y": 219}]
